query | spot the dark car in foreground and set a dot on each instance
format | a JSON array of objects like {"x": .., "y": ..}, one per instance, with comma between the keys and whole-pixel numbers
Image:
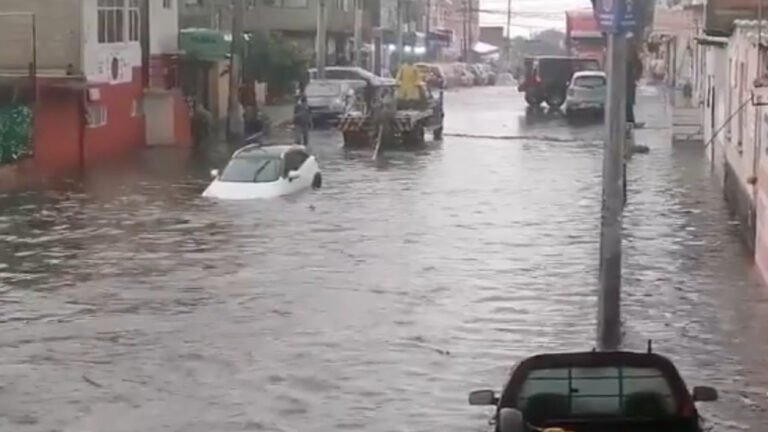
[
  {"x": 595, "y": 391},
  {"x": 546, "y": 78}
]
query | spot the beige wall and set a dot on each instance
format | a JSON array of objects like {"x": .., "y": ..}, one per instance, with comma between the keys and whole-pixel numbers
[
  {"x": 58, "y": 34},
  {"x": 219, "y": 87}
]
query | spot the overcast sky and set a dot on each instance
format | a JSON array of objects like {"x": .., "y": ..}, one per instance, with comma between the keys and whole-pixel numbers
[{"x": 529, "y": 15}]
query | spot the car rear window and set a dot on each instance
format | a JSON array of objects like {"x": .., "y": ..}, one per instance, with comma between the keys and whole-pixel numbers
[
  {"x": 586, "y": 65},
  {"x": 597, "y": 391},
  {"x": 589, "y": 81},
  {"x": 319, "y": 89}
]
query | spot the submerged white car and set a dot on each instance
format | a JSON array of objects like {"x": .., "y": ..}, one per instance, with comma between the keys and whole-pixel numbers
[
  {"x": 256, "y": 172},
  {"x": 586, "y": 92}
]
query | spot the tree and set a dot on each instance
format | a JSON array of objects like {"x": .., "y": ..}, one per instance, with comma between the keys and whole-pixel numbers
[{"x": 272, "y": 59}]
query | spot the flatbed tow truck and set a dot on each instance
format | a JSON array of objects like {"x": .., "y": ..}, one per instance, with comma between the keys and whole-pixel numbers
[{"x": 391, "y": 123}]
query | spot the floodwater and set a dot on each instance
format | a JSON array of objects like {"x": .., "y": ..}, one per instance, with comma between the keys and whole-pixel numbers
[{"x": 128, "y": 303}]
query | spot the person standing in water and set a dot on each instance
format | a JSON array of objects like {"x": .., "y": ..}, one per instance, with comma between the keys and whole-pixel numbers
[{"x": 302, "y": 121}]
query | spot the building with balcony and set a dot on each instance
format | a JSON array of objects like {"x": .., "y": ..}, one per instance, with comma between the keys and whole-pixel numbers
[{"x": 80, "y": 71}]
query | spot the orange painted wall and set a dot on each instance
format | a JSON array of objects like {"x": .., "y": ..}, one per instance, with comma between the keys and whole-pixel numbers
[
  {"x": 123, "y": 131},
  {"x": 57, "y": 131}
]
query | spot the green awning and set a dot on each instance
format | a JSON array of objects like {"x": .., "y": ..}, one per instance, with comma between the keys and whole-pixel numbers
[{"x": 205, "y": 44}]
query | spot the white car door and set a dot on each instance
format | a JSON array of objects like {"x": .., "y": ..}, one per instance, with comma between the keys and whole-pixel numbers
[
  {"x": 294, "y": 159},
  {"x": 305, "y": 170}
]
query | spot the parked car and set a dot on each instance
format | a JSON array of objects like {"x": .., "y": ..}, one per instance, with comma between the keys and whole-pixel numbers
[
  {"x": 466, "y": 77},
  {"x": 256, "y": 172},
  {"x": 328, "y": 99},
  {"x": 452, "y": 75},
  {"x": 595, "y": 391},
  {"x": 546, "y": 78},
  {"x": 490, "y": 72},
  {"x": 480, "y": 75},
  {"x": 432, "y": 74},
  {"x": 586, "y": 92}
]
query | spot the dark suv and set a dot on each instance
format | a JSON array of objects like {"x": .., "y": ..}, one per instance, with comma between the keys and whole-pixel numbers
[
  {"x": 546, "y": 78},
  {"x": 596, "y": 392}
]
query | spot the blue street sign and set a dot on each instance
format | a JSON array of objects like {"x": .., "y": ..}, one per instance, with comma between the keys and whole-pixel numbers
[{"x": 616, "y": 16}]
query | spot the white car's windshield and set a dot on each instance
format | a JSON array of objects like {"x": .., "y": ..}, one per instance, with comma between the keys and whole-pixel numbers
[
  {"x": 252, "y": 170},
  {"x": 589, "y": 81}
]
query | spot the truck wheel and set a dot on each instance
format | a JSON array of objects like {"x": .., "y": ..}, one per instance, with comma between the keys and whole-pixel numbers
[
  {"x": 437, "y": 134},
  {"x": 317, "y": 182},
  {"x": 555, "y": 100},
  {"x": 532, "y": 100}
]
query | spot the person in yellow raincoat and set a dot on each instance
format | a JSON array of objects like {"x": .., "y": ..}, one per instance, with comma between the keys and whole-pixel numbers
[{"x": 409, "y": 84}]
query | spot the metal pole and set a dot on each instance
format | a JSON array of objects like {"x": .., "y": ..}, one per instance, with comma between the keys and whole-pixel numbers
[
  {"x": 358, "y": 42},
  {"x": 234, "y": 117},
  {"x": 321, "y": 39},
  {"x": 400, "y": 18},
  {"x": 376, "y": 12},
  {"x": 34, "y": 58},
  {"x": 427, "y": 29},
  {"x": 609, "y": 297},
  {"x": 508, "y": 49}
]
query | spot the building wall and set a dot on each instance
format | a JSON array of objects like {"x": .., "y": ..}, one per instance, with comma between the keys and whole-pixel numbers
[
  {"x": 112, "y": 63},
  {"x": 716, "y": 88},
  {"x": 58, "y": 35},
  {"x": 114, "y": 72},
  {"x": 163, "y": 27}
]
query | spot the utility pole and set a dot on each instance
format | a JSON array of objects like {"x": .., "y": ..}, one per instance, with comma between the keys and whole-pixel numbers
[
  {"x": 321, "y": 39},
  {"x": 400, "y": 19},
  {"x": 427, "y": 29},
  {"x": 508, "y": 49},
  {"x": 609, "y": 297},
  {"x": 376, "y": 15},
  {"x": 358, "y": 42},
  {"x": 467, "y": 29},
  {"x": 234, "y": 116}
]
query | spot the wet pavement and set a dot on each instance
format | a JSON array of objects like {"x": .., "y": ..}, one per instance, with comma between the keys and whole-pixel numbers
[{"x": 128, "y": 303}]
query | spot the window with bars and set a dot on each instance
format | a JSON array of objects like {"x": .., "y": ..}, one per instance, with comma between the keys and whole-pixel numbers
[
  {"x": 96, "y": 115},
  {"x": 134, "y": 21},
  {"x": 111, "y": 21}
]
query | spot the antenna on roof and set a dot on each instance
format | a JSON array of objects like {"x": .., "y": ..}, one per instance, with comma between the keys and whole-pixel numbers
[{"x": 650, "y": 346}]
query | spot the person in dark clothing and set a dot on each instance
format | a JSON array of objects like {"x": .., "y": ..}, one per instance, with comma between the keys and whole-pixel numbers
[
  {"x": 303, "y": 81},
  {"x": 368, "y": 95},
  {"x": 302, "y": 121},
  {"x": 634, "y": 73}
]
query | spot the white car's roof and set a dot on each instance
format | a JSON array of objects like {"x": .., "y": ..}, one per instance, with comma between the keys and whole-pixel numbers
[
  {"x": 260, "y": 150},
  {"x": 589, "y": 74}
]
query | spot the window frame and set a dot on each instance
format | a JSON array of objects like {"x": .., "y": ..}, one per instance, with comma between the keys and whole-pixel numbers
[
  {"x": 111, "y": 20},
  {"x": 134, "y": 21},
  {"x": 97, "y": 116}
]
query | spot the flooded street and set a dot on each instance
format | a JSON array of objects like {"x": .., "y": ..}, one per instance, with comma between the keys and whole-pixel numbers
[{"x": 129, "y": 303}]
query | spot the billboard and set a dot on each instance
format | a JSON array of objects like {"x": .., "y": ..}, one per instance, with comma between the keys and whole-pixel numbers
[{"x": 721, "y": 14}]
